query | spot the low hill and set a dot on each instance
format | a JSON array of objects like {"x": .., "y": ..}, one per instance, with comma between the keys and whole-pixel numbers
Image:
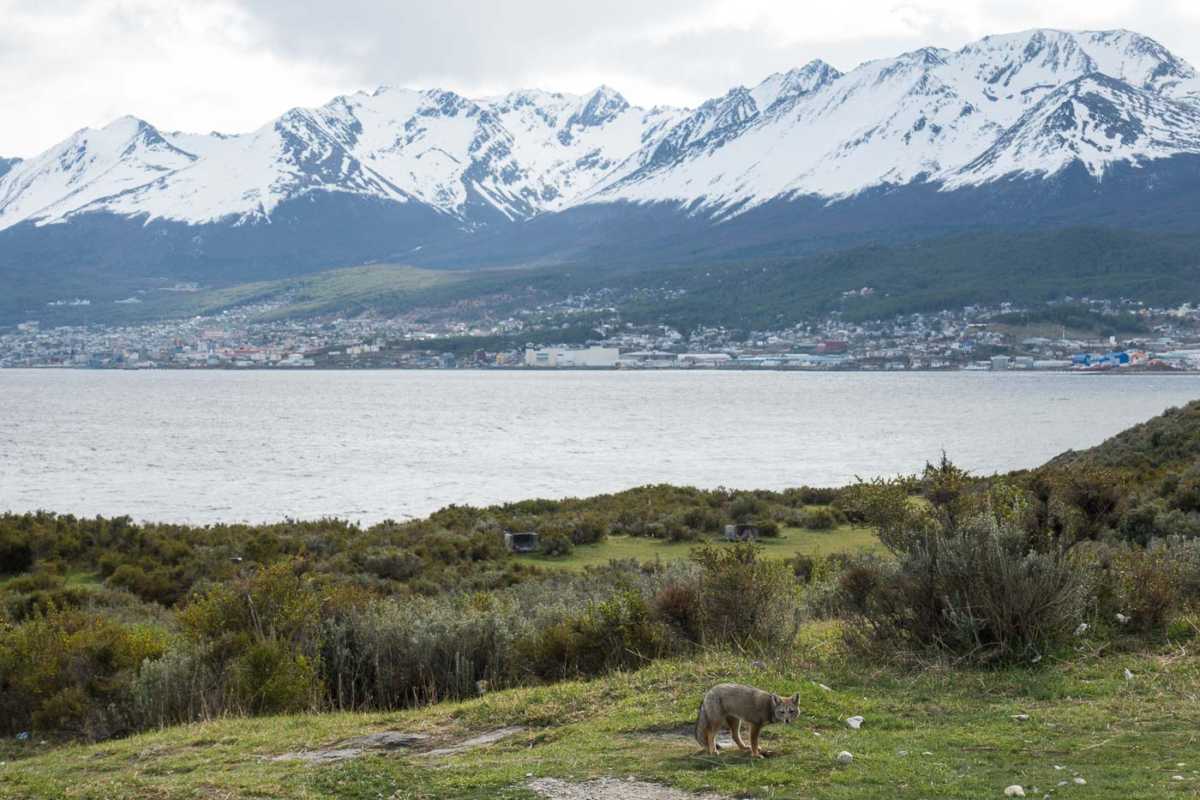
[{"x": 1168, "y": 443}]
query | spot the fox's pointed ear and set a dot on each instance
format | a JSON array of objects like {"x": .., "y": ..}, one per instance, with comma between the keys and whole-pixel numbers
[
  {"x": 776, "y": 699},
  {"x": 796, "y": 698}
]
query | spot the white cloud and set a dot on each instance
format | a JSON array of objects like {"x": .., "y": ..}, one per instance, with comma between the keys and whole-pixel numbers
[{"x": 234, "y": 64}]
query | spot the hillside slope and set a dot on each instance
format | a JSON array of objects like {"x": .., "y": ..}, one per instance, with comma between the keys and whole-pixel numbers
[
  {"x": 1168, "y": 443},
  {"x": 932, "y": 735}
]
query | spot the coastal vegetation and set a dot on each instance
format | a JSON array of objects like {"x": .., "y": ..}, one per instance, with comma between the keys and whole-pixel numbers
[{"x": 984, "y": 598}]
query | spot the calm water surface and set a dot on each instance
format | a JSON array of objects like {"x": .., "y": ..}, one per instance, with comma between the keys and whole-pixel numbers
[{"x": 209, "y": 445}]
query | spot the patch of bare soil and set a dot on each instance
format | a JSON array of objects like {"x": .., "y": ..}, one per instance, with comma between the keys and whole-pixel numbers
[
  {"x": 612, "y": 789},
  {"x": 391, "y": 741}
]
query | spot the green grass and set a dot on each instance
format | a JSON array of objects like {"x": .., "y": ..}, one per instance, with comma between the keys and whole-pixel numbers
[
  {"x": 933, "y": 733},
  {"x": 347, "y": 289},
  {"x": 73, "y": 578},
  {"x": 846, "y": 539}
]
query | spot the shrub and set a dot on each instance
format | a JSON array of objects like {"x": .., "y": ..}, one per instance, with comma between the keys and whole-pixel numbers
[
  {"x": 820, "y": 519},
  {"x": 745, "y": 507},
  {"x": 679, "y": 531},
  {"x": 176, "y": 688},
  {"x": 969, "y": 580},
  {"x": 156, "y": 585},
  {"x": 702, "y": 519},
  {"x": 619, "y": 632},
  {"x": 556, "y": 543},
  {"x": 261, "y": 636},
  {"x": 1139, "y": 524},
  {"x": 803, "y": 567},
  {"x": 16, "y": 551},
  {"x": 767, "y": 528},
  {"x": 589, "y": 529},
  {"x": 745, "y": 600},
  {"x": 678, "y": 604},
  {"x": 70, "y": 672},
  {"x": 391, "y": 563}
]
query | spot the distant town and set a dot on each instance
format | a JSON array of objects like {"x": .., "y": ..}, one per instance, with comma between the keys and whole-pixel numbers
[{"x": 1112, "y": 336}]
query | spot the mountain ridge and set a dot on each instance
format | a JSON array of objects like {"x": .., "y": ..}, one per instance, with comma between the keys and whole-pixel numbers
[{"x": 1031, "y": 129}]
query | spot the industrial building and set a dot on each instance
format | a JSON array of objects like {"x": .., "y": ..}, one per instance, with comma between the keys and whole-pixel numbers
[{"x": 565, "y": 357}]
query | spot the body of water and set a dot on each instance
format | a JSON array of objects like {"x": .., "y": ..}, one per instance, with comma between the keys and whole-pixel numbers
[{"x": 208, "y": 446}]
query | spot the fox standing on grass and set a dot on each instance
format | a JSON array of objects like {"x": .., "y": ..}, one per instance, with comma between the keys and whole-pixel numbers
[{"x": 732, "y": 703}]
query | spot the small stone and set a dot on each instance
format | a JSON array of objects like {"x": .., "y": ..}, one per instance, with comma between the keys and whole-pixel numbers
[
  {"x": 1122, "y": 619},
  {"x": 816, "y": 733},
  {"x": 528, "y": 774},
  {"x": 902, "y": 753},
  {"x": 1056, "y": 766},
  {"x": 1173, "y": 777},
  {"x": 759, "y": 665},
  {"x": 1021, "y": 717},
  {"x": 1082, "y": 629},
  {"x": 855, "y": 722},
  {"x": 845, "y": 757},
  {"x": 1080, "y": 782},
  {"x": 1014, "y": 791}
]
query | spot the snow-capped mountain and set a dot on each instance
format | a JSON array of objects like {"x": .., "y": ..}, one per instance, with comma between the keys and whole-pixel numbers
[
  {"x": 1029, "y": 128},
  {"x": 515, "y": 155},
  {"x": 956, "y": 118}
]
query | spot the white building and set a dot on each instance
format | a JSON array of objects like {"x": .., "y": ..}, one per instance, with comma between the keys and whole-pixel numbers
[{"x": 565, "y": 357}]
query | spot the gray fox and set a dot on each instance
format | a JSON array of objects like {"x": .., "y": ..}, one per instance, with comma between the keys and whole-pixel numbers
[{"x": 732, "y": 703}]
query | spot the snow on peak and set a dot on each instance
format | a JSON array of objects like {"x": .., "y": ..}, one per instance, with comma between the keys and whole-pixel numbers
[
  {"x": 1031, "y": 102},
  {"x": 782, "y": 86}
]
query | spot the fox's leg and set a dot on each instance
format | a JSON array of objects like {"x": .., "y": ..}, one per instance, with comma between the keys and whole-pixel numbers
[
  {"x": 710, "y": 740},
  {"x": 754, "y": 731},
  {"x": 735, "y": 730}
]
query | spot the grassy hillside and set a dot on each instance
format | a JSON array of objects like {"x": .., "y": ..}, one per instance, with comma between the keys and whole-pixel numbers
[
  {"x": 935, "y": 733},
  {"x": 1168, "y": 443}
]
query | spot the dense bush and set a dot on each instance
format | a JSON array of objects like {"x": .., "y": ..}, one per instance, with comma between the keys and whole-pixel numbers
[
  {"x": 746, "y": 600},
  {"x": 975, "y": 591},
  {"x": 969, "y": 578},
  {"x": 69, "y": 672},
  {"x": 821, "y": 519},
  {"x": 556, "y": 543},
  {"x": 16, "y": 551}
]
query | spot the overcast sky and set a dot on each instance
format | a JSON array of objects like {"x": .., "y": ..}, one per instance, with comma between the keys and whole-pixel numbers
[{"x": 231, "y": 65}]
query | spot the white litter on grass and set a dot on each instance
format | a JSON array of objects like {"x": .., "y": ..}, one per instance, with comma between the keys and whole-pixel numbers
[
  {"x": 855, "y": 722},
  {"x": 845, "y": 757},
  {"x": 1124, "y": 620},
  {"x": 1014, "y": 791},
  {"x": 1128, "y": 675},
  {"x": 1080, "y": 782},
  {"x": 1082, "y": 629}
]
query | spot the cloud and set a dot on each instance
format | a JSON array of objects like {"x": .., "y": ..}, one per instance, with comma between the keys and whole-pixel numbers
[{"x": 234, "y": 64}]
